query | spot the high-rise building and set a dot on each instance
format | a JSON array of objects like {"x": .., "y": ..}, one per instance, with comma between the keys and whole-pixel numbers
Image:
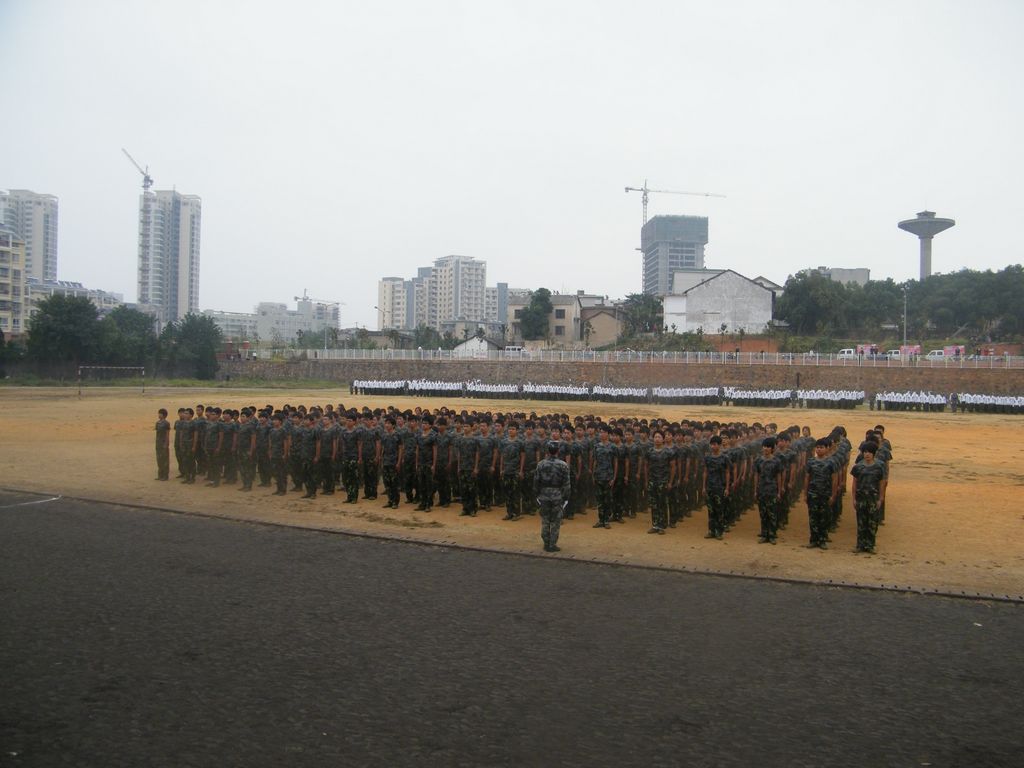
[
  {"x": 418, "y": 298},
  {"x": 457, "y": 289},
  {"x": 13, "y": 304},
  {"x": 169, "y": 235},
  {"x": 392, "y": 293},
  {"x": 670, "y": 243},
  {"x": 33, "y": 217}
]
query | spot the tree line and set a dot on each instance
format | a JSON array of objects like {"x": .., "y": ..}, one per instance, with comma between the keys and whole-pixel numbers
[
  {"x": 982, "y": 306},
  {"x": 68, "y": 331}
]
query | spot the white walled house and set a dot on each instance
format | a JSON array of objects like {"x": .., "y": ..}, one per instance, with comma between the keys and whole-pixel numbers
[{"x": 726, "y": 297}]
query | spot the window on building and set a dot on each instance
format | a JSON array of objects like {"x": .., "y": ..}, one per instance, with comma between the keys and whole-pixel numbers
[
  {"x": 560, "y": 330},
  {"x": 559, "y": 314},
  {"x": 518, "y": 314}
]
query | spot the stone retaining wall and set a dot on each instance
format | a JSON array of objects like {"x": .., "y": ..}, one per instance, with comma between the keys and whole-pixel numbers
[{"x": 870, "y": 379}]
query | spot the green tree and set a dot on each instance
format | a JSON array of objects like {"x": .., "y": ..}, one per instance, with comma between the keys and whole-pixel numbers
[
  {"x": 64, "y": 329},
  {"x": 127, "y": 337},
  {"x": 533, "y": 321},
  {"x": 188, "y": 347},
  {"x": 641, "y": 313},
  {"x": 426, "y": 337}
]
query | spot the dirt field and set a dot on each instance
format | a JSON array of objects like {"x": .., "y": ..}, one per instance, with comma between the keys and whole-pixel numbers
[{"x": 955, "y": 515}]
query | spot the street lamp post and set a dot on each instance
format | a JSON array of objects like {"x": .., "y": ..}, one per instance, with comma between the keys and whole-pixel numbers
[{"x": 904, "y": 320}]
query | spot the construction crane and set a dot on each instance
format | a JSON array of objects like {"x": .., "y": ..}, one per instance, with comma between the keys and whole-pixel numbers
[
  {"x": 306, "y": 297},
  {"x": 147, "y": 180},
  {"x": 647, "y": 190}
]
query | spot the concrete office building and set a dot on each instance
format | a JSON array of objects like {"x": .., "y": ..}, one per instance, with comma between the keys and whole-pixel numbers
[
  {"x": 235, "y": 326},
  {"x": 169, "y": 238},
  {"x": 670, "y": 243},
  {"x": 33, "y": 217},
  {"x": 13, "y": 312},
  {"x": 274, "y": 323}
]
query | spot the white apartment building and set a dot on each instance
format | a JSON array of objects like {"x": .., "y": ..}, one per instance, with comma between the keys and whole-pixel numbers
[
  {"x": 457, "y": 289},
  {"x": 169, "y": 239},
  {"x": 392, "y": 303},
  {"x": 12, "y": 282},
  {"x": 38, "y": 290},
  {"x": 33, "y": 217}
]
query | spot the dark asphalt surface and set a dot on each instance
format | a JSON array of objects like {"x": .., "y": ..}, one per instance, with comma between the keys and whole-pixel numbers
[{"x": 141, "y": 638}]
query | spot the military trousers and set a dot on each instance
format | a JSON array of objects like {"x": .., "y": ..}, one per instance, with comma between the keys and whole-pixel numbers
[
  {"x": 512, "y": 487},
  {"x": 867, "y": 520},
  {"x": 163, "y": 462},
  {"x": 350, "y": 478},
  {"x": 817, "y": 517},
  {"x": 768, "y": 506},
  {"x": 550, "y": 519},
  {"x": 716, "y": 511},
  {"x": 391, "y": 484},
  {"x": 657, "y": 494}
]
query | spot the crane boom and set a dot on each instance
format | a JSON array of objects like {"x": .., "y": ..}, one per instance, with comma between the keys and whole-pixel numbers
[
  {"x": 647, "y": 190},
  {"x": 147, "y": 180}
]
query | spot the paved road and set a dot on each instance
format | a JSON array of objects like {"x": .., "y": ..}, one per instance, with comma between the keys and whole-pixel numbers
[{"x": 134, "y": 638}]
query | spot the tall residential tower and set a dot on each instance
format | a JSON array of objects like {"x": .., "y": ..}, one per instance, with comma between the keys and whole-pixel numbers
[
  {"x": 169, "y": 234},
  {"x": 33, "y": 217}
]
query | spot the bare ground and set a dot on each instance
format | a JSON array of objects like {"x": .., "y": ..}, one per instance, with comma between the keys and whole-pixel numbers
[{"x": 954, "y": 522}]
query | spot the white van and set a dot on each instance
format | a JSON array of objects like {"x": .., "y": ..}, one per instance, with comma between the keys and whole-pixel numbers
[
  {"x": 893, "y": 354},
  {"x": 936, "y": 354},
  {"x": 847, "y": 354}
]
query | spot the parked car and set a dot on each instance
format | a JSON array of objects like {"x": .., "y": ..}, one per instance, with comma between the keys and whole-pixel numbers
[
  {"x": 935, "y": 354},
  {"x": 847, "y": 354}
]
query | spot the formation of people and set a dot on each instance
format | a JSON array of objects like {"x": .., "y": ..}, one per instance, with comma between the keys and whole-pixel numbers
[
  {"x": 974, "y": 403},
  {"x": 910, "y": 401},
  {"x": 619, "y": 468}
]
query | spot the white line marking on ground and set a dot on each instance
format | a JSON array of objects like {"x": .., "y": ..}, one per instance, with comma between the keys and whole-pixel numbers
[{"x": 37, "y": 501}]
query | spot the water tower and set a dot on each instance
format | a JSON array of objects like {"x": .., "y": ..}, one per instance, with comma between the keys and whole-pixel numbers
[{"x": 926, "y": 226}]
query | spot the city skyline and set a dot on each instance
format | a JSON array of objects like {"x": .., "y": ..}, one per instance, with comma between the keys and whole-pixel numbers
[{"x": 507, "y": 132}]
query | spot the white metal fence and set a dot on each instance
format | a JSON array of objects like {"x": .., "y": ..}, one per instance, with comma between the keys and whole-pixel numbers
[{"x": 659, "y": 358}]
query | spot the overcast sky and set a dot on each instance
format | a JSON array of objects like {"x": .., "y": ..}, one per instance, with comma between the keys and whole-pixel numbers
[{"x": 334, "y": 143}]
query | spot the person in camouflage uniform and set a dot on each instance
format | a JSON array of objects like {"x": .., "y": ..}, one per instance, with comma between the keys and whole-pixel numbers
[
  {"x": 245, "y": 449},
  {"x": 426, "y": 463},
  {"x": 351, "y": 458},
  {"x": 442, "y": 476},
  {"x": 392, "y": 453},
  {"x": 715, "y": 488},
  {"x": 605, "y": 469},
  {"x": 821, "y": 491},
  {"x": 768, "y": 477},
  {"x": 658, "y": 469},
  {"x": 407, "y": 429},
  {"x": 551, "y": 487},
  {"x": 511, "y": 461},
  {"x": 278, "y": 447},
  {"x": 308, "y": 444},
  {"x": 467, "y": 454},
  {"x": 163, "y": 454},
  {"x": 868, "y": 492},
  {"x": 263, "y": 467}
]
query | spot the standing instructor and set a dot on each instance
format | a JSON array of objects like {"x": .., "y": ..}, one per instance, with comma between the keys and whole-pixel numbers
[{"x": 551, "y": 485}]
